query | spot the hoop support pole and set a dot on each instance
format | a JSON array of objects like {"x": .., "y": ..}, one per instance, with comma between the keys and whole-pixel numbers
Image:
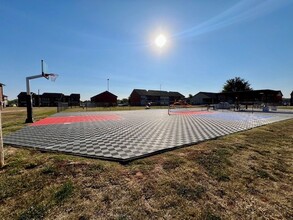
[{"x": 29, "y": 104}]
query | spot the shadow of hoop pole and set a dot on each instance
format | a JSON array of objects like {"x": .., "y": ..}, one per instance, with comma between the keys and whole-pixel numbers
[{"x": 29, "y": 103}]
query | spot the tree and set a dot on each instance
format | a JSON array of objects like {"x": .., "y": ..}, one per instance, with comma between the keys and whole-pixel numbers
[
  {"x": 12, "y": 102},
  {"x": 124, "y": 101},
  {"x": 236, "y": 85}
]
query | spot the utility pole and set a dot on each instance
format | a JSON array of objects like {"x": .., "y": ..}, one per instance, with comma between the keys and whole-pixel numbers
[
  {"x": 1, "y": 141},
  {"x": 108, "y": 85}
]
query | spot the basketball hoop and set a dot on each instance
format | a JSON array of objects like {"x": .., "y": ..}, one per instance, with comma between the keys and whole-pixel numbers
[{"x": 51, "y": 76}]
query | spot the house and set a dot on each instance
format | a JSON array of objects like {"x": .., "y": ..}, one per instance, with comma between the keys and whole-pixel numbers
[
  {"x": 141, "y": 97},
  {"x": 49, "y": 99},
  {"x": 74, "y": 99},
  {"x": 1, "y": 96},
  {"x": 21, "y": 99},
  {"x": 105, "y": 99},
  {"x": 175, "y": 96},
  {"x": 138, "y": 97},
  {"x": 245, "y": 97},
  {"x": 203, "y": 98},
  {"x": 267, "y": 96}
]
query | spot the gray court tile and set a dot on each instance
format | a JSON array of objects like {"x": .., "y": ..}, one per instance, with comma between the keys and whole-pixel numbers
[{"x": 136, "y": 133}]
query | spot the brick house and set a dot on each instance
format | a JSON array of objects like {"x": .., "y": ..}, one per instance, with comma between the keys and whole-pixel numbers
[
  {"x": 141, "y": 97},
  {"x": 105, "y": 99},
  {"x": 204, "y": 98},
  {"x": 49, "y": 99},
  {"x": 74, "y": 99},
  {"x": 21, "y": 99},
  {"x": 52, "y": 99},
  {"x": 245, "y": 97}
]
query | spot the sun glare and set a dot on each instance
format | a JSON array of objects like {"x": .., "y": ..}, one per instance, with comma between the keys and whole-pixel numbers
[{"x": 160, "y": 40}]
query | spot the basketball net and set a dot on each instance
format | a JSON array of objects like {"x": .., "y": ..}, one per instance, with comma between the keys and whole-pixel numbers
[{"x": 51, "y": 76}]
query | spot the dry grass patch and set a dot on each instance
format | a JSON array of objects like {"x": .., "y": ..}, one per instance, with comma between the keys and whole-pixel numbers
[
  {"x": 13, "y": 118},
  {"x": 247, "y": 175}
]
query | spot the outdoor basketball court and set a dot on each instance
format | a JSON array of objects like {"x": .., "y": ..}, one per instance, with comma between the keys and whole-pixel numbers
[{"x": 127, "y": 135}]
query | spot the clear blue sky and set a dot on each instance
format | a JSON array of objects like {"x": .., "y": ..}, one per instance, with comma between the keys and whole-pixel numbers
[{"x": 86, "y": 42}]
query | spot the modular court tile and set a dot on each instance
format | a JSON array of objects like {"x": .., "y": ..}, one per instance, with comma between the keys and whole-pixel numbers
[{"x": 128, "y": 135}]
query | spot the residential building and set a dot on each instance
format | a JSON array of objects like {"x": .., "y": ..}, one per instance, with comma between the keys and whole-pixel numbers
[
  {"x": 138, "y": 97},
  {"x": 246, "y": 97},
  {"x": 21, "y": 99},
  {"x": 74, "y": 99},
  {"x": 49, "y": 99},
  {"x": 175, "y": 96},
  {"x": 141, "y": 97},
  {"x": 105, "y": 99},
  {"x": 204, "y": 98}
]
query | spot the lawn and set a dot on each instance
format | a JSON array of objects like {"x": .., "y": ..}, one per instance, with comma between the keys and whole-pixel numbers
[{"x": 247, "y": 175}]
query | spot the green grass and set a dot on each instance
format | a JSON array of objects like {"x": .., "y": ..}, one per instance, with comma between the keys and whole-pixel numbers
[
  {"x": 33, "y": 212},
  {"x": 189, "y": 192},
  {"x": 64, "y": 192},
  {"x": 216, "y": 163},
  {"x": 247, "y": 175},
  {"x": 13, "y": 118}
]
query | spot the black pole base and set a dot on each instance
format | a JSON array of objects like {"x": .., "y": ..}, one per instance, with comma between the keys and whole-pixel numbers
[{"x": 29, "y": 118}]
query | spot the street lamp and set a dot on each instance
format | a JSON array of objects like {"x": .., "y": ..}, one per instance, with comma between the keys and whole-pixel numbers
[{"x": 108, "y": 85}]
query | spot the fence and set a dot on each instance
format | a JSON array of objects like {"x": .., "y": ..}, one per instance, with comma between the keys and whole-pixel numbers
[{"x": 62, "y": 106}]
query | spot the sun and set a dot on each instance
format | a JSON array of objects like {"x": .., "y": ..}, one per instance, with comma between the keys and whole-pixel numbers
[{"x": 161, "y": 40}]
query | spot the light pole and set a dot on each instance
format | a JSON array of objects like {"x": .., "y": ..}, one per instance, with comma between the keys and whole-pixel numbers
[
  {"x": 1, "y": 142},
  {"x": 108, "y": 85}
]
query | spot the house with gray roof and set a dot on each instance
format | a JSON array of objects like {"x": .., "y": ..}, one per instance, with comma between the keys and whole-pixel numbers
[
  {"x": 204, "y": 98},
  {"x": 141, "y": 97},
  {"x": 267, "y": 96}
]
